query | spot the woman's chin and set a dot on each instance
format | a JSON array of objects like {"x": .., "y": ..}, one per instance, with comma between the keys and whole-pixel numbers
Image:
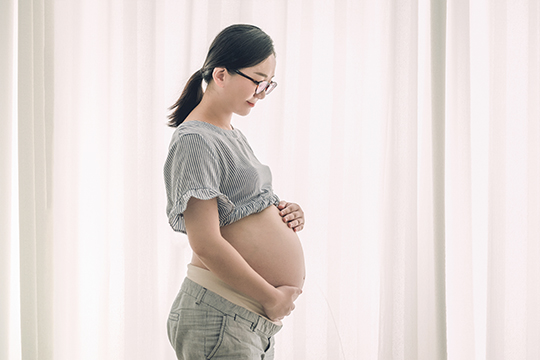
[{"x": 243, "y": 112}]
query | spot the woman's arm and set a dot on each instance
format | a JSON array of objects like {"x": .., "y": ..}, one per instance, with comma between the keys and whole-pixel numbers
[{"x": 202, "y": 226}]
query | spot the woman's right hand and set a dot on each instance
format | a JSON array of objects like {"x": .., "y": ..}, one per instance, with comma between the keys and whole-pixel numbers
[{"x": 282, "y": 303}]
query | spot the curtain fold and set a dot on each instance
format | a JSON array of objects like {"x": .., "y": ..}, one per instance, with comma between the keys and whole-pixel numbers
[
  {"x": 532, "y": 201},
  {"x": 458, "y": 193},
  {"x": 398, "y": 327},
  {"x": 407, "y": 130},
  {"x": 513, "y": 124},
  {"x": 438, "y": 17},
  {"x": 6, "y": 170},
  {"x": 34, "y": 163}
]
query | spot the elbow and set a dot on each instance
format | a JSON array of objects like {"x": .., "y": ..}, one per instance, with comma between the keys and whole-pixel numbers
[
  {"x": 197, "y": 246},
  {"x": 204, "y": 246}
]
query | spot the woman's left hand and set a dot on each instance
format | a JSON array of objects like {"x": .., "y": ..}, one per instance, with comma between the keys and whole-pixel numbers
[{"x": 292, "y": 214}]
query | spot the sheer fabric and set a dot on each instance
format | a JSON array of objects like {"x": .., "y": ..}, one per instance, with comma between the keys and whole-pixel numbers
[{"x": 408, "y": 131}]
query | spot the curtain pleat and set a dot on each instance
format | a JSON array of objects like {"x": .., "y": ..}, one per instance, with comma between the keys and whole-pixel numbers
[
  {"x": 398, "y": 315},
  {"x": 511, "y": 107},
  {"x": 458, "y": 197},
  {"x": 34, "y": 163},
  {"x": 532, "y": 135},
  {"x": 439, "y": 54},
  {"x": 6, "y": 170}
]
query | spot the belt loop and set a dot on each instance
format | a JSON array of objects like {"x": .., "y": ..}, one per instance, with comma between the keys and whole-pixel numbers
[
  {"x": 200, "y": 296},
  {"x": 255, "y": 324}
]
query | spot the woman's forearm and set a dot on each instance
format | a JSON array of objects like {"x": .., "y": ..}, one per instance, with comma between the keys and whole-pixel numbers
[{"x": 220, "y": 257}]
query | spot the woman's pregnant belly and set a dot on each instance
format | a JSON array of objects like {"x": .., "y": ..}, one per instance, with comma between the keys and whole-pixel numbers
[{"x": 269, "y": 246}]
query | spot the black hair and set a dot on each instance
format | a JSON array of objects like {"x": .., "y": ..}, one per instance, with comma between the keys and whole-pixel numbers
[{"x": 235, "y": 47}]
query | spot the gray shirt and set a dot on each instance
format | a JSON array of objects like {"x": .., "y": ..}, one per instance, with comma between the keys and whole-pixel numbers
[{"x": 206, "y": 162}]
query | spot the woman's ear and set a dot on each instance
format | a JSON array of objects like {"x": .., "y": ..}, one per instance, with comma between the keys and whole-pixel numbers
[{"x": 219, "y": 75}]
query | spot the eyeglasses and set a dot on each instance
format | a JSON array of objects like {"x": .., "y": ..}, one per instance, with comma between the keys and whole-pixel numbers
[{"x": 266, "y": 86}]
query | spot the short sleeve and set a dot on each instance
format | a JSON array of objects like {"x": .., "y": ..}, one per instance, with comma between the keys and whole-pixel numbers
[{"x": 193, "y": 169}]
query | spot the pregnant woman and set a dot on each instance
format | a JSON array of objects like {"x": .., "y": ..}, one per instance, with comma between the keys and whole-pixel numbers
[{"x": 248, "y": 265}]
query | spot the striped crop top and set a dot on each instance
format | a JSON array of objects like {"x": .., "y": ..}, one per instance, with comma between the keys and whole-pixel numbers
[{"x": 206, "y": 162}]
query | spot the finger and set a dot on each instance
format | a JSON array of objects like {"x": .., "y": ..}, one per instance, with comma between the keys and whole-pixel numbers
[
  {"x": 293, "y": 206},
  {"x": 294, "y": 215},
  {"x": 288, "y": 218},
  {"x": 282, "y": 204},
  {"x": 290, "y": 207},
  {"x": 286, "y": 210},
  {"x": 295, "y": 223},
  {"x": 298, "y": 228}
]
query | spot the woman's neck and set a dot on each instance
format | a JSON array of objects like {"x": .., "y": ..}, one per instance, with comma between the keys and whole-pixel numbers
[{"x": 211, "y": 112}]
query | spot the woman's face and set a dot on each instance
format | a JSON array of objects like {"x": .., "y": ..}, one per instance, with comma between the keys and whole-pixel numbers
[{"x": 242, "y": 90}]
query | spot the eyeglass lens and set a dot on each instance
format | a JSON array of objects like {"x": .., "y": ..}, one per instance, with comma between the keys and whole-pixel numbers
[{"x": 265, "y": 86}]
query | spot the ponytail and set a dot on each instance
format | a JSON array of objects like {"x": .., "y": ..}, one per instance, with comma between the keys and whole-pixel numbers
[
  {"x": 235, "y": 47},
  {"x": 190, "y": 98}
]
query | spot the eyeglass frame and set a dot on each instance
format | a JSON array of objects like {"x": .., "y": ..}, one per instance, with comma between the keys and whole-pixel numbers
[{"x": 270, "y": 83}]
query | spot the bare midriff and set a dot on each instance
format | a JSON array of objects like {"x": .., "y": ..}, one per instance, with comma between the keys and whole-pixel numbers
[{"x": 268, "y": 245}]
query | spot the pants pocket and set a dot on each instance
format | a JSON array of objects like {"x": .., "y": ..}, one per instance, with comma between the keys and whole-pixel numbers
[
  {"x": 214, "y": 334},
  {"x": 172, "y": 327},
  {"x": 196, "y": 334}
]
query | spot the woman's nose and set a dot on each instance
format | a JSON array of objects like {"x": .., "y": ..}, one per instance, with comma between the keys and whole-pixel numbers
[{"x": 261, "y": 95}]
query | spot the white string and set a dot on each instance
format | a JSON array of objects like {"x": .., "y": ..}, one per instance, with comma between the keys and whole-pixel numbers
[{"x": 333, "y": 321}]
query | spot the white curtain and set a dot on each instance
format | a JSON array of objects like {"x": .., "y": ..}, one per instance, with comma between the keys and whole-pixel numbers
[
  {"x": 409, "y": 131},
  {"x": 26, "y": 315},
  {"x": 6, "y": 144}
]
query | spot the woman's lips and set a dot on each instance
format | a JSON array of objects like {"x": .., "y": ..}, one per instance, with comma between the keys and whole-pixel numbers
[{"x": 250, "y": 104}]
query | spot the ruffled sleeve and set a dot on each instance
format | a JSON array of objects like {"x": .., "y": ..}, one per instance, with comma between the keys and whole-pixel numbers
[{"x": 193, "y": 169}]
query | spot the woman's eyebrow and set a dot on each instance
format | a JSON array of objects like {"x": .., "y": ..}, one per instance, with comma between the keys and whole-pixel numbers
[{"x": 262, "y": 74}]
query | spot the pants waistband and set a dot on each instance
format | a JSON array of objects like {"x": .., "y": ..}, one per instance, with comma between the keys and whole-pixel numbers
[{"x": 237, "y": 313}]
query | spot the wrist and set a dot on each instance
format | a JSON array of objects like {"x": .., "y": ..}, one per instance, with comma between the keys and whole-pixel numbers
[{"x": 269, "y": 297}]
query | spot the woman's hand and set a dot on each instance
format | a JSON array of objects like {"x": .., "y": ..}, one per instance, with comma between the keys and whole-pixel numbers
[
  {"x": 282, "y": 304},
  {"x": 292, "y": 214}
]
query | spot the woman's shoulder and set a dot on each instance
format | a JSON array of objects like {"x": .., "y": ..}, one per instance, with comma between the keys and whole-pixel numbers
[
  {"x": 194, "y": 130},
  {"x": 209, "y": 131},
  {"x": 198, "y": 134},
  {"x": 201, "y": 127}
]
